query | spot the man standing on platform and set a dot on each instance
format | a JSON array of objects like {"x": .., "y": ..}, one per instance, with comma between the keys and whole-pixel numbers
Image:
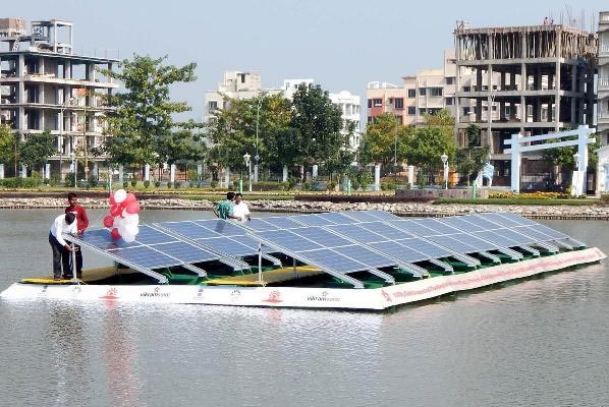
[
  {"x": 82, "y": 223},
  {"x": 61, "y": 249},
  {"x": 240, "y": 210},
  {"x": 224, "y": 208}
]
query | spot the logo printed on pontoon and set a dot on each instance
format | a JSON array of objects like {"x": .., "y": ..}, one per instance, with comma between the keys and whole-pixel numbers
[
  {"x": 323, "y": 297},
  {"x": 76, "y": 290},
  {"x": 386, "y": 295},
  {"x": 156, "y": 293},
  {"x": 111, "y": 294},
  {"x": 200, "y": 292},
  {"x": 44, "y": 290},
  {"x": 274, "y": 297}
]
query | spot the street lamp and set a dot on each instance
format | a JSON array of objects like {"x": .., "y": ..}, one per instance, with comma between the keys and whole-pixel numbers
[
  {"x": 74, "y": 168},
  {"x": 444, "y": 159},
  {"x": 257, "y": 157},
  {"x": 576, "y": 157},
  {"x": 63, "y": 107},
  {"x": 248, "y": 164}
]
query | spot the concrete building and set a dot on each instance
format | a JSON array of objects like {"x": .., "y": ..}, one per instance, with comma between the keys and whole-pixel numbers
[
  {"x": 426, "y": 92},
  {"x": 248, "y": 85},
  {"x": 45, "y": 87},
  {"x": 540, "y": 77},
  {"x": 603, "y": 78}
]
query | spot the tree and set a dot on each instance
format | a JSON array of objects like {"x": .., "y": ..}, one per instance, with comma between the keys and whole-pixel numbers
[
  {"x": 428, "y": 145},
  {"x": 316, "y": 124},
  {"x": 10, "y": 147},
  {"x": 37, "y": 149},
  {"x": 385, "y": 141},
  {"x": 141, "y": 126},
  {"x": 470, "y": 160}
]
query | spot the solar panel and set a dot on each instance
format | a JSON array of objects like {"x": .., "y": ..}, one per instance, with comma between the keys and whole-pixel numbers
[
  {"x": 361, "y": 216},
  {"x": 185, "y": 252},
  {"x": 312, "y": 220},
  {"x": 145, "y": 256},
  {"x": 189, "y": 229},
  {"x": 329, "y": 259},
  {"x": 283, "y": 222},
  {"x": 336, "y": 218},
  {"x": 460, "y": 241},
  {"x": 258, "y": 224}
]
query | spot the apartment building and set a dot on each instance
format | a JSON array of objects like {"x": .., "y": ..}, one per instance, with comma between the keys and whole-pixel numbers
[
  {"x": 44, "y": 86},
  {"x": 247, "y": 85},
  {"x": 603, "y": 78},
  {"x": 426, "y": 92},
  {"x": 541, "y": 78}
]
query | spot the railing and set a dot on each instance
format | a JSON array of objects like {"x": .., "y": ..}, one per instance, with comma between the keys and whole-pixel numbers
[
  {"x": 604, "y": 17},
  {"x": 603, "y": 82}
]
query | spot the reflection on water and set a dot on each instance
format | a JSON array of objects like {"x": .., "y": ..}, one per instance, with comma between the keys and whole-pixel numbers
[{"x": 539, "y": 342}]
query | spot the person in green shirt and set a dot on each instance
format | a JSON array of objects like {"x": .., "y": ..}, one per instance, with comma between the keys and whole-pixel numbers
[{"x": 224, "y": 208}]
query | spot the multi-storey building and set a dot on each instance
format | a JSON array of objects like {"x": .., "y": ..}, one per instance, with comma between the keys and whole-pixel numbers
[
  {"x": 247, "y": 85},
  {"x": 45, "y": 87},
  {"x": 603, "y": 78},
  {"x": 427, "y": 92},
  {"x": 541, "y": 78}
]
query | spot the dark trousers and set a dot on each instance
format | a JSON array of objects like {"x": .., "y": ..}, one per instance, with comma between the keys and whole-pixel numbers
[{"x": 60, "y": 257}]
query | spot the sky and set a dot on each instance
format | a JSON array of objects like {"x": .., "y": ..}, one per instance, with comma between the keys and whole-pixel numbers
[{"x": 341, "y": 44}]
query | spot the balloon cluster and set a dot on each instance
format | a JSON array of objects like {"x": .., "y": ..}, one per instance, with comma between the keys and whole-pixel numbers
[{"x": 123, "y": 217}]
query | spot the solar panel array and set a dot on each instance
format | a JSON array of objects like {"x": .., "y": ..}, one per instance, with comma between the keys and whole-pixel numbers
[
  {"x": 343, "y": 242},
  {"x": 151, "y": 248}
]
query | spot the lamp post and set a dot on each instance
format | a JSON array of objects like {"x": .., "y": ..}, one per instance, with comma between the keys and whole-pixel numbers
[
  {"x": 63, "y": 107},
  {"x": 257, "y": 157},
  {"x": 248, "y": 164},
  {"x": 74, "y": 168},
  {"x": 444, "y": 159}
]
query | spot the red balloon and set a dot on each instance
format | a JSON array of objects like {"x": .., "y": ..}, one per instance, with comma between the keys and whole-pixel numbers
[
  {"x": 115, "y": 234},
  {"x": 109, "y": 221},
  {"x": 130, "y": 198},
  {"x": 133, "y": 207},
  {"x": 111, "y": 199},
  {"x": 115, "y": 210}
]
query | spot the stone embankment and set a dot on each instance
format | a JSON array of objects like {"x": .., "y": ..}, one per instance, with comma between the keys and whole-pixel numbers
[{"x": 592, "y": 212}]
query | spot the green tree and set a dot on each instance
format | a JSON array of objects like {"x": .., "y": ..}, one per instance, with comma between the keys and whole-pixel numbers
[
  {"x": 428, "y": 145},
  {"x": 141, "y": 125},
  {"x": 36, "y": 150},
  {"x": 470, "y": 160},
  {"x": 316, "y": 124},
  {"x": 386, "y": 141},
  {"x": 10, "y": 147}
]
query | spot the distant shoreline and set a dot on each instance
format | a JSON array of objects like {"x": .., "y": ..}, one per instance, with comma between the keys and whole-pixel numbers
[{"x": 563, "y": 212}]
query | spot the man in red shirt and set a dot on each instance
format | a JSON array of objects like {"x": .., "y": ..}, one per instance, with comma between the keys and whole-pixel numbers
[{"x": 82, "y": 223}]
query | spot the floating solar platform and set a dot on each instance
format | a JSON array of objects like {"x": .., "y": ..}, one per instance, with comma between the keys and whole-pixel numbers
[{"x": 349, "y": 260}]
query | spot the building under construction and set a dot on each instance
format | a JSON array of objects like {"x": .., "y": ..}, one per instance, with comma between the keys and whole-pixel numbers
[
  {"x": 45, "y": 87},
  {"x": 530, "y": 80}
]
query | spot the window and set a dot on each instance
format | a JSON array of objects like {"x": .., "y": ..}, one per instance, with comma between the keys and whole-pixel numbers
[
  {"x": 377, "y": 102},
  {"x": 450, "y": 80},
  {"x": 412, "y": 93},
  {"x": 450, "y": 101},
  {"x": 213, "y": 106},
  {"x": 466, "y": 111},
  {"x": 412, "y": 110},
  {"x": 466, "y": 89},
  {"x": 422, "y": 92},
  {"x": 369, "y": 103},
  {"x": 436, "y": 92},
  {"x": 398, "y": 103},
  {"x": 370, "y": 119}
]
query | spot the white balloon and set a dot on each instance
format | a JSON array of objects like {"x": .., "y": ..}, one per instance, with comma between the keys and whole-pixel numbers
[
  {"x": 132, "y": 229},
  {"x": 120, "y": 195},
  {"x": 132, "y": 219},
  {"x": 128, "y": 238},
  {"x": 118, "y": 222}
]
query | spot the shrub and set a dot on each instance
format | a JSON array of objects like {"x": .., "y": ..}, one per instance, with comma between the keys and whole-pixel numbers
[
  {"x": 214, "y": 184},
  {"x": 604, "y": 199},
  {"x": 146, "y": 184},
  {"x": 157, "y": 184},
  {"x": 354, "y": 185},
  {"x": 92, "y": 181},
  {"x": 125, "y": 184},
  {"x": 169, "y": 185}
]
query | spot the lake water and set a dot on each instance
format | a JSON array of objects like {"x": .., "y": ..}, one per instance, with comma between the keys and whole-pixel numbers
[{"x": 540, "y": 342}]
